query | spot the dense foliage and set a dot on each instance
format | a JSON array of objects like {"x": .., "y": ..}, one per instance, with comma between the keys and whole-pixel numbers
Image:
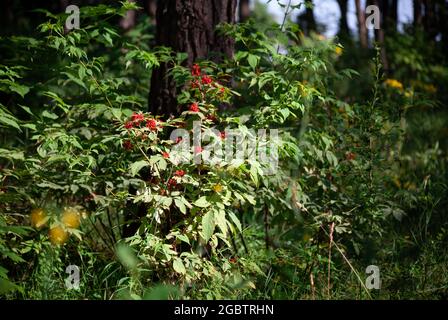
[{"x": 88, "y": 178}]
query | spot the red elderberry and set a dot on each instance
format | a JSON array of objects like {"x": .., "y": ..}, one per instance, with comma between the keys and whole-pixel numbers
[
  {"x": 211, "y": 118},
  {"x": 172, "y": 183},
  {"x": 179, "y": 173},
  {"x": 129, "y": 125},
  {"x": 194, "y": 107},
  {"x": 196, "y": 70},
  {"x": 165, "y": 154},
  {"x": 127, "y": 145},
  {"x": 151, "y": 124},
  {"x": 206, "y": 80},
  {"x": 137, "y": 117},
  {"x": 195, "y": 84}
]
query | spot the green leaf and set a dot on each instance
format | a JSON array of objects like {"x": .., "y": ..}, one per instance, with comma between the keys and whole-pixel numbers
[
  {"x": 117, "y": 113},
  {"x": 178, "y": 266},
  {"x": 137, "y": 166},
  {"x": 20, "y": 89},
  {"x": 180, "y": 205},
  {"x": 202, "y": 202},
  {"x": 253, "y": 60},
  {"x": 183, "y": 238},
  {"x": 50, "y": 115},
  {"x": 254, "y": 174},
  {"x": 235, "y": 220},
  {"x": 9, "y": 120},
  {"x": 208, "y": 225}
]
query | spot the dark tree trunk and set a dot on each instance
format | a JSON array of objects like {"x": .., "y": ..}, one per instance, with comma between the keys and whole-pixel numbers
[
  {"x": 306, "y": 20},
  {"x": 188, "y": 26},
  {"x": 244, "y": 10},
  {"x": 128, "y": 21},
  {"x": 417, "y": 13},
  {"x": 362, "y": 28},
  {"x": 430, "y": 19},
  {"x": 309, "y": 16},
  {"x": 343, "y": 25},
  {"x": 393, "y": 15},
  {"x": 150, "y": 7}
]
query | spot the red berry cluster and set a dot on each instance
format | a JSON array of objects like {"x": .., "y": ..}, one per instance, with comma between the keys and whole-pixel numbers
[{"x": 137, "y": 119}]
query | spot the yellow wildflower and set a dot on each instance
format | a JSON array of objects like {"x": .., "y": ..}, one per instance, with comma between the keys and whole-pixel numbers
[
  {"x": 38, "y": 217},
  {"x": 71, "y": 218},
  {"x": 58, "y": 235},
  {"x": 218, "y": 188},
  {"x": 338, "y": 50},
  {"x": 394, "y": 84}
]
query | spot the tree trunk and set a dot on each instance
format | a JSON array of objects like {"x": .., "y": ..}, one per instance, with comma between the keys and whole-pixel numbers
[
  {"x": 309, "y": 16},
  {"x": 362, "y": 28},
  {"x": 343, "y": 25},
  {"x": 129, "y": 20},
  {"x": 393, "y": 16},
  {"x": 417, "y": 4},
  {"x": 188, "y": 26},
  {"x": 150, "y": 7},
  {"x": 244, "y": 10}
]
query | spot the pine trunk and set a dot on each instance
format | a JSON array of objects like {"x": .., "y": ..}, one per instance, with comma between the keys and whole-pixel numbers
[{"x": 188, "y": 26}]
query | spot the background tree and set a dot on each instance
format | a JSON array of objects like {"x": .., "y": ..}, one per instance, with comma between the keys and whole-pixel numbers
[
  {"x": 362, "y": 28},
  {"x": 344, "y": 31},
  {"x": 306, "y": 20},
  {"x": 188, "y": 26},
  {"x": 243, "y": 10}
]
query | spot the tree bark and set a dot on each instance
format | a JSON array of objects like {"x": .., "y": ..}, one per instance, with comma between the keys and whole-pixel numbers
[
  {"x": 150, "y": 7},
  {"x": 244, "y": 10},
  {"x": 343, "y": 25},
  {"x": 306, "y": 19},
  {"x": 362, "y": 28},
  {"x": 128, "y": 21},
  {"x": 188, "y": 26},
  {"x": 309, "y": 16},
  {"x": 417, "y": 4}
]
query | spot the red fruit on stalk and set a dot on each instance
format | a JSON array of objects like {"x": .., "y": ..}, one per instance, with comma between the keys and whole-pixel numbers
[
  {"x": 127, "y": 145},
  {"x": 129, "y": 125},
  {"x": 194, "y": 107},
  {"x": 151, "y": 124},
  {"x": 137, "y": 117},
  {"x": 179, "y": 173},
  {"x": 196, "y": 70},
  {"x": 206, "y": 80}
]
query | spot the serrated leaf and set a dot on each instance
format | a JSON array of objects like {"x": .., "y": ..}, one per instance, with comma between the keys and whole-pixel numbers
[
  {"x": 137, "y": 166},
  {"x": 180, "y": 205},
  {"x": 208, "y": 225},
  {"x": 202, "y": 202},
  {"x": 235, "y": 220},
  {"x": 178, "y": 266},
  {"x": 20, "y": 89},
  {"x": 253, "y": 61}
]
